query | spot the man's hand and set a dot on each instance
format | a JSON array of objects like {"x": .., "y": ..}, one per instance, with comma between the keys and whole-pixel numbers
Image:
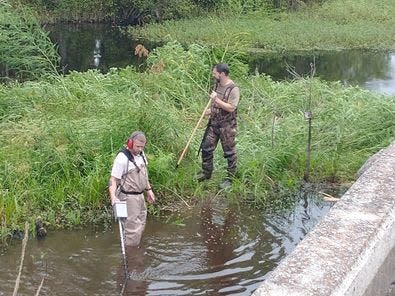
[
  {"x": 214, "y": 96},
  {"x": 114, "y": 200},
  {"x": 150, "y": 196}
]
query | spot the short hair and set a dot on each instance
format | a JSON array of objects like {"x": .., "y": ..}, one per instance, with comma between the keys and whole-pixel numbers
[
  {"x": 138, "y": 135},
  {"x": 222, "y": 68}
]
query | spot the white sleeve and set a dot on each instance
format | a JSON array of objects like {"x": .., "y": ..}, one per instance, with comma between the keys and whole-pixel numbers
[{"x": 120, "y": 166}]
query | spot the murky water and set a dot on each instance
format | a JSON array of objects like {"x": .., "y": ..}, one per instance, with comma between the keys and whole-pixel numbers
[
  {"x": 94, "y": 46},
  {"x": 371, "y": 70},
  {"x": 98, "y": 46},
  {"x": 214, "y": 248}
]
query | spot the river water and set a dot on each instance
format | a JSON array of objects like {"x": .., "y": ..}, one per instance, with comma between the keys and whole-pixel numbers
[
  {"x": 97, "y": 46},
  {"x": 212, "y": 248}
]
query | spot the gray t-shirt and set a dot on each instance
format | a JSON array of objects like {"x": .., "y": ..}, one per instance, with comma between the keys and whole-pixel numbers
[{"x": 234, "y": 95}]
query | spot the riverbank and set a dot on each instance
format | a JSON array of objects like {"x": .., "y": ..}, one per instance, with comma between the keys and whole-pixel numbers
[
  {"x": 334, "y": 25},
  {"x": 59, "y": 137}
]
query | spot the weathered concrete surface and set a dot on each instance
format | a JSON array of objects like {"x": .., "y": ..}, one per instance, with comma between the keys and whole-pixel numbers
[
  {"x": 343, "y": 253},
  {"x": 386, "y": 274}
]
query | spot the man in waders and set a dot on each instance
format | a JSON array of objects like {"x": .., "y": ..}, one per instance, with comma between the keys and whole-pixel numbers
[
  {"x": 128, "y": 182},
  {"x": 222, "y": 125}
]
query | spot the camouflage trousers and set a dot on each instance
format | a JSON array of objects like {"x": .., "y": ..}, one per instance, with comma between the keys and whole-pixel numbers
[{"x": 226, "y": 134}]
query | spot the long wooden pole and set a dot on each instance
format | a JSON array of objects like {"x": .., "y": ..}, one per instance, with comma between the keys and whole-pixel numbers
[{"x": 193, "y": 133}]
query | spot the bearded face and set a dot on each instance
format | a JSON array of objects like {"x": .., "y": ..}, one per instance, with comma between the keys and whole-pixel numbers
[{"x": 216, "y": 75}]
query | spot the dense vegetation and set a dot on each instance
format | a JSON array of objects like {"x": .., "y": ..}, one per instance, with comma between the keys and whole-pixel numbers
[
  {"x": 25, "y": 49},
  {"x": 59, "y": 137},
  {"x": 145, "y": 11},
  {"x": 336, "y": 24}
]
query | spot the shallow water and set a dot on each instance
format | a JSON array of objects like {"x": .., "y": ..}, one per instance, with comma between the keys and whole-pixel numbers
[{"x": 214, "y": 248}]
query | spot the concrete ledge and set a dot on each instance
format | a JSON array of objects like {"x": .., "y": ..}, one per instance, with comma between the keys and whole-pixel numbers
[{"x": 346, "y": 250}]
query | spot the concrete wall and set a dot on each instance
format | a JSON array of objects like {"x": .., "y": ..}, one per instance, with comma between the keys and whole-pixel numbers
[
  {"x": 350, "y": 252},
  {"x": 386, "y": 274}
]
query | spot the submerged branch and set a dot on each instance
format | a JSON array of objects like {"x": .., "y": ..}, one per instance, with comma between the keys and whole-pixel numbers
[
  {"x": 39, "y": 288},
  {"x": 24, "y": 243}
]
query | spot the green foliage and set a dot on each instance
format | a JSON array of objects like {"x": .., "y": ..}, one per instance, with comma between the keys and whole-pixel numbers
[
  {"x": 137, "y": 11},
  {"x": 350, "y": 11},
  {"x": 236, "y": 7},
  {"x": 334, "y": 25},
  {"x": 58, "y": 138},
  {"x": 26, "y": 51},
  {"x": 117, "y": 11}
]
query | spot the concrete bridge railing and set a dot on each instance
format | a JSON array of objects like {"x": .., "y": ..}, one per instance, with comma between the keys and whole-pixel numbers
[{"x": 351, "y": 250}]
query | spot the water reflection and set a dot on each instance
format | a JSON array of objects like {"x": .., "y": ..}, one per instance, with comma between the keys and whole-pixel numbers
[
  {"x": 385, "y": 84},
  {"x": 97, "y": 53},
  {"x": 93, "y": 46},
  {"x": 372, "y": 70},
  {"x": 220, "y": 235},
  {"x": 135, "y": 283},
  {"x": 219, "y": 249},
  {"x": 351, "y": 67}
]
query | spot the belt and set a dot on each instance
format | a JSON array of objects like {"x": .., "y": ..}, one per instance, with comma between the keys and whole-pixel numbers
[{"x": 131, "y": 192}]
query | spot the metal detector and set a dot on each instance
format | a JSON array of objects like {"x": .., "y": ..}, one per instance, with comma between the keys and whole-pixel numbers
[{"x": 121, "y": 213}]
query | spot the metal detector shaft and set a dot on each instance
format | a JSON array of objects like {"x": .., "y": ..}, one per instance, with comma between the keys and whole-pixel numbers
[{"x": 125, "y": 265}]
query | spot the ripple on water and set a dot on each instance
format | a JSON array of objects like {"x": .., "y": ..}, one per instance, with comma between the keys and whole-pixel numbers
[{"x": 218, "y": 249}]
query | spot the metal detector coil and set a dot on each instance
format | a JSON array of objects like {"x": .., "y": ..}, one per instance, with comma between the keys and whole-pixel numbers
[{"x": 120, "y": 210}]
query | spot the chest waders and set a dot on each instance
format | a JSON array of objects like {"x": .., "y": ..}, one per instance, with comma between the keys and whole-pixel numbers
[
  {"x": 133, "y": 184},
  {"x": 221, "y": 127}
]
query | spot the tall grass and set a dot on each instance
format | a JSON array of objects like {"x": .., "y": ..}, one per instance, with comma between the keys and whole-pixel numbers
[
  {"x": 335, "y": 24},
  {"x": 58, "y": 138},
  {"x": 26, "y": 51}
]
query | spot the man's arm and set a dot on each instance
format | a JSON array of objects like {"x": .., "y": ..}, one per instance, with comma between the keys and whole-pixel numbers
[
  {"x": 112, "y": 188},
  {"x": 150, "y": 193},
  {"x": 227, "y": 106},
  {"x": 223, "y": 105}
]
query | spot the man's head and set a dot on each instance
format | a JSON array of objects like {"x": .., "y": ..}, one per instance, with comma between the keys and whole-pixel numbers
[
  {"x": 219, "y": 71},
  {"x": 136, "y": 142}
]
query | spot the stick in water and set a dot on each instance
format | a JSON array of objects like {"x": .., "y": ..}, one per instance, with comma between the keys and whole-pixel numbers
[
  {"x": 24, "y": 242},
  {"x": 39, "y": 288}
]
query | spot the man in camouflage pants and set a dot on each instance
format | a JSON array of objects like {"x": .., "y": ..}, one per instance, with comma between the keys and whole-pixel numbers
[{"x": 222, "y": 125}]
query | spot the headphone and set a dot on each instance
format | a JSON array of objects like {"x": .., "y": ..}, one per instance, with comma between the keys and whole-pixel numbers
[{"x": 134, "y": 135}]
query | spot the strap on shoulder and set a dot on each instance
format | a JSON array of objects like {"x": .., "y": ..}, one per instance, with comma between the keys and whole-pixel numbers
[{"x": 131, "y": 158}]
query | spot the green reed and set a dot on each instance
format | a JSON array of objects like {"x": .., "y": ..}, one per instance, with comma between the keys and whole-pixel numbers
[
  {"x": 58, "y": 138},
  {"x": 333, "y": 25},
  {"x": 26, "y": 51}
]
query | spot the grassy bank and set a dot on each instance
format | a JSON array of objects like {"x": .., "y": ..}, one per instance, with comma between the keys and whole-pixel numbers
[
  {"x": 58, "y": 137},
  {"x": 336, "y": 24}
]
